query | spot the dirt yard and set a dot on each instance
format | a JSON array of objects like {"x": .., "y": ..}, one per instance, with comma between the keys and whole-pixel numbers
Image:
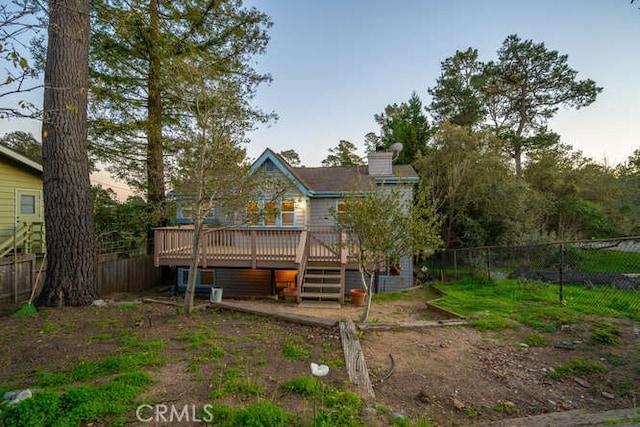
[{"x": 452, "y": 375}]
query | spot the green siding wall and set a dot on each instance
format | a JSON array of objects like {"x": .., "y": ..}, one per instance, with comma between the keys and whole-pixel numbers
[{"x": 12, "y": 177}]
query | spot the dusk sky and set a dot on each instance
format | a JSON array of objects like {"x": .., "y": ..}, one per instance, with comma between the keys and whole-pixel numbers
[{"x": 336, "y": 63}]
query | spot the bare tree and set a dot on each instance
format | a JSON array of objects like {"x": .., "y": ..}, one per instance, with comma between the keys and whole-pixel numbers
[{"x": 18, "y": 24}]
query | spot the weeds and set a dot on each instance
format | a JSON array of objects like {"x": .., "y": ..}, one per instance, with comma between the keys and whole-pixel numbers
[
  {"x": 258, "y": 414},
  {"x": 294, "y": 351},
  {"x": 606, "y": 333},
  {"x": 235, "y": 382},
  {"x": 577, "y": 366},
  {"x": 626, "y": 389},
  {"x": 305, "y": 386},
  {"x": 342, "y": 408},
  {"x": 535, "y": 340},
  {"x": 504, "y": 406}
]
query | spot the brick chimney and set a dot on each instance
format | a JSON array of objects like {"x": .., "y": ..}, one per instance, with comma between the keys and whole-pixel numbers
[{"x": 380, "y": 162}]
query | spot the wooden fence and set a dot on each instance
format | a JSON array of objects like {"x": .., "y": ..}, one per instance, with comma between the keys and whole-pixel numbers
[{"x": 135, "y": 274}]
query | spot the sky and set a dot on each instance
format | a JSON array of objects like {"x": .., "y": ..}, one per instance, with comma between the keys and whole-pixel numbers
[{"x": 336, "y": 63}]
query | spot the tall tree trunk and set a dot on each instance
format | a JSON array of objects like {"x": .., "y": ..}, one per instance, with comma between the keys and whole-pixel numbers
[
  {"x": 155, "y": 161},
  {"x": 71, "y": 251},
  {"x": 517, "y": 156}
]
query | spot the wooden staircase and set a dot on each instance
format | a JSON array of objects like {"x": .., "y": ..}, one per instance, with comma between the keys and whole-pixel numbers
[
  {"x": 29, "y": 238},
  {"x": 323, "y": 282}
]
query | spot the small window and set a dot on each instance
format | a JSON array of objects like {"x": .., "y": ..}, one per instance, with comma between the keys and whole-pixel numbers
[
  {"x": 27, "y": 204},
  {"x": 186, "y": 210},
  {"x": 288, "y": 213},
  {"x": 269, "y": 166}
]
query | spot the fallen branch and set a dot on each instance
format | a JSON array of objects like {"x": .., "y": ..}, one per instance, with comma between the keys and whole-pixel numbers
[{"x": 165, "y": 302}]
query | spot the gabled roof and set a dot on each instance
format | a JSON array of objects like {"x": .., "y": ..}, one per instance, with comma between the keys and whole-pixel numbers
[
  {"x": 20, "y": 160},
  {"x": 335, "y": 180}
]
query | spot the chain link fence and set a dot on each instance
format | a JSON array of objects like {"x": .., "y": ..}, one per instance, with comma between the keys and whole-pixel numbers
[
  {"x": 606, "y": 271},
  {"x": 123, "y": 244}
]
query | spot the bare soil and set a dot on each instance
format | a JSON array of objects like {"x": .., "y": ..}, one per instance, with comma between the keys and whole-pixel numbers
[{"x": 452, "y": 375}]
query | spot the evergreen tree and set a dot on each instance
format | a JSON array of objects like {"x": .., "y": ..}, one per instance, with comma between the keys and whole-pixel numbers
[{"x": 137, "y": 106}]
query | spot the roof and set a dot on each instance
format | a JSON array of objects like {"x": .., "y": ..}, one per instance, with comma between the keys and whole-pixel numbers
[
  {"x": 335, "y": 180},
  {"x": 20, "y": 160}
]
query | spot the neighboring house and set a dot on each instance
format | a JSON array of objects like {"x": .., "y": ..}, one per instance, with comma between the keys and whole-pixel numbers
[
  {"x": 21, "y": 204},
  {"x": 290, "y": 244}
]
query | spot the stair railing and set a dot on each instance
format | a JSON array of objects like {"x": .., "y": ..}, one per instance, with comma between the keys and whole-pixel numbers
[{"x": 302, "y": 255}]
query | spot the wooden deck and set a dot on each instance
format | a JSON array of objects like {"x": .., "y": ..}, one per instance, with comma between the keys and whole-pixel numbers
[{"x": 249, "y": 247}]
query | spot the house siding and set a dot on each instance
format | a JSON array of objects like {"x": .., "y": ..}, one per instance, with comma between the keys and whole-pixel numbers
[
  {"x": 12, "y": 178},
  {"x": 403, "y": 280},
  {"x": 290, "y": 193},
  {"x": 320, "y": 212},
  {"x": 243, "y": 283}
]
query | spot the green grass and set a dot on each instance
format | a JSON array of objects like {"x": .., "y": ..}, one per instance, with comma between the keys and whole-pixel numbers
[
  {"x": 138, "y": 353},
  {"x": 235, "y": 382},
  {"x": 496, "y": 306},
  {"x": 606, "y": 333},
  {"x": 535, "y": 339},
  {"x": 577, "y": 366},
  {"x": 294, "y": 351},
  {"x": 258, "y": 414},
  {"x": 78, "y": 405},
  {"x": 305, "y": 386},
  {"x": 340, "y": 408},
  {"x": 609, "y": 261}
]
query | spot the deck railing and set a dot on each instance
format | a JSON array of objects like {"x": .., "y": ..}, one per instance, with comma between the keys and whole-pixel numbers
[{"x": 173, "y": 245}]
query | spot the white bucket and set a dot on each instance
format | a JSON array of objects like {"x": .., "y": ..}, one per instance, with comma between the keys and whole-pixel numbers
[{"x": 216, "y": 295}]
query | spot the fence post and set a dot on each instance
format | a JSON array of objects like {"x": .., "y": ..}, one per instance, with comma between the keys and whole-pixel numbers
[
  {"x": 489, "y": 264},
  {"x": 561, "y": 274},
  {"x": 455, "y": 264}
]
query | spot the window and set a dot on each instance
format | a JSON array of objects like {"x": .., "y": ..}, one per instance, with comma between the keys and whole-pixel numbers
[
  {"x": 27, "y": 204},
  {"x": 253, "y": 213},
  {"x": 269, "y": 166},
  {"x": 186, "y": 210},
  {"x": 341, "y": 210},
  {"x": 287, "y": 213},
  {"x": 271, "y": 213}
]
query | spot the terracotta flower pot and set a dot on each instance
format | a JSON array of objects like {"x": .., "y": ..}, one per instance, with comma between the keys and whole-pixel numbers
[
  {"x": 290, "y": 295},
  {"x": 357, "y": 297}
]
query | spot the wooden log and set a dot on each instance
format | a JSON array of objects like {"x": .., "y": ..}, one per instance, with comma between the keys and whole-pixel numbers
[
  {"x": 289, "y": 317},
  {"x": 450, "y": 314},
  {"x": 354, "y": 360},
  {"x": 159, "y": 301},
  {"x": 411, "y": 325}
]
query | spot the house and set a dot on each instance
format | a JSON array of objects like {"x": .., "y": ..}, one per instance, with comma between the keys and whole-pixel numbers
[
  {"x": 291, "y": 244},
  {"x": 21, "y": 204}
]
